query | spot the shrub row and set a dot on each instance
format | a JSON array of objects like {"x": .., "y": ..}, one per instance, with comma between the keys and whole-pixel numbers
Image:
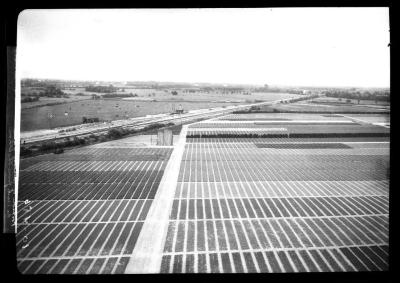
[{"x": 114, "y": 133}]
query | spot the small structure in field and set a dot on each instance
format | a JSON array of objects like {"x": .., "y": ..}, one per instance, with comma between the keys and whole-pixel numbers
[
  {"x": 164, "y": 137},
  {"x": 90, "y": 120}
]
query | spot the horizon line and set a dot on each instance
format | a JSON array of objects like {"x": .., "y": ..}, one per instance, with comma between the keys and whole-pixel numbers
[{"x": 212, "y": 83}]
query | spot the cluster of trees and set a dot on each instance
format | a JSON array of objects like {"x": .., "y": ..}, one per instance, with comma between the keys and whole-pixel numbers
[
  {"x": 30, "y": 99},
  {"x": 57, "y": 147},
  {"x": 230, "y": 90},
  {"x": 278, "y": 90},
  {"x": 53, "y": 91},
  {"x": 48, "y": 91},
  {"x": 115, "y": 133},
  {"x": 367, "y": 95},
  {"x": 302, "y": 98},
  {"x": 101, "y": 89},
  {"x": 267, "y": 89},
  {"x": 33, "y": 83},
  {"x": 90, "y": 120},
  {"x": 119, "y": 95}
]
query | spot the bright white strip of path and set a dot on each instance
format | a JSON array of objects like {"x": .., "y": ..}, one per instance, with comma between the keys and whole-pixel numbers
[{"x": 147, "y": 254}]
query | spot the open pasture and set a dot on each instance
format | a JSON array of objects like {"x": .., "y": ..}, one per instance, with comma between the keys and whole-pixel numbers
[
  {"x": 284, "y": 117},
  {"x": 114, "y": 109},
  {"x": 105, "y": 110},
  {"x": 331, "y": 108}
]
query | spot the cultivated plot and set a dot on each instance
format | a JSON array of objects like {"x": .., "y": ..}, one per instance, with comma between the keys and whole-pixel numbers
[
  {"x": 82, "y": 211},
  {"x": 279, "y": 205}
]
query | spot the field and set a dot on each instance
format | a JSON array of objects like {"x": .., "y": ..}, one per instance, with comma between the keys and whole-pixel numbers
[
  {"x": 51, "y": 101},
  {"x": 279, "y": 204},
  {"x": 332, "y": 105},
  {"x": 343, "y": 101},
  {"x": 294, "y": 125},
  {"x": 38, "y": 117},
  {"x": 85, "y": 208},
  {"x": 233, "y": 205}
]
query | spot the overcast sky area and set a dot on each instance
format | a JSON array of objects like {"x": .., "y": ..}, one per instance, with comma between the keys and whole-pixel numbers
[{"x": 298, "y": 47}]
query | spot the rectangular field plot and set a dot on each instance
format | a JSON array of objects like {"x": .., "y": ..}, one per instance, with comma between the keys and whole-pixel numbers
[
  {"x": 280, "y": 205},
  {"x": 302, "y": 145},
  {"x": 101, "y": 154},
  {"x": 94, "y": 265},
  {"x": 240, "y": 129},
  {"x": 365, "y": 258},
  {"x": 268, "y": 124},
  {"x": 282, "y": 117},
  {"x": 82, "y": 211},
  {"x": 276, "y": 189},
  {"x": 237, "y": 141}
]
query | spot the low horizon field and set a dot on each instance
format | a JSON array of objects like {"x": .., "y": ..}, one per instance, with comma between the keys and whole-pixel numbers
[{"x": 37, "y": 118}]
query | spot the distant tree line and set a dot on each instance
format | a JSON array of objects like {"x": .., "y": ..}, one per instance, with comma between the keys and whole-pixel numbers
[
  {"x": 48, "y": 91},
  {"x": 30, "y": 99},
  {"x": 53, "y": 91},
  {"x": 278, "y": 90},
  {"x": 101, "y": 89},
  {"x": 33, "y": 83},
  {"x": 58, "y": 146},
  {"x": 367, "y": 95},
  {"x": 119, "y": 95}
]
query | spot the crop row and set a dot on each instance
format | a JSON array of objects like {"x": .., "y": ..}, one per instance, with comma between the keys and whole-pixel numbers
[
  {"x": 208, "y": 165},
  {"x": 145, "y": 189},
  {"x": 102, "y": 154},
  {"x": 239, "y": 208},
  {"x": 149, "y": 170},
  {"x": 80, "y": 239},
  {"x": 238, "y": 141},
  {"x": 280, "y": 189},
  {"x": 120, "y": 151},
  {"x": 77, "y": 265},
  {"x": 89, "y": 166},
  {"x": 280, "y": 117},
  {"x": 302, "y": 145},
  {"x": 239, "y": 171},
  {"x": 82, "y": 211},
  {"x": 272, "y": 124},
  {"x": 362, "y": 258},
  {"x": 251, "y": 152},
  {"x": 268, "y": 234}
]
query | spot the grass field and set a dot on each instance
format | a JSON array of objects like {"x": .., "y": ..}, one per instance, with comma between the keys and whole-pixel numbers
[
  {"x": 37, "y": 118},
  {"x": 343, "y": 101},
  {"x": 330, "y": 105},
  {"x": 331, "y": 108}
]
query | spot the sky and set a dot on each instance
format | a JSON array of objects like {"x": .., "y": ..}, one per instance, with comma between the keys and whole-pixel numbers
[{"x": 280, "y": 46}]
